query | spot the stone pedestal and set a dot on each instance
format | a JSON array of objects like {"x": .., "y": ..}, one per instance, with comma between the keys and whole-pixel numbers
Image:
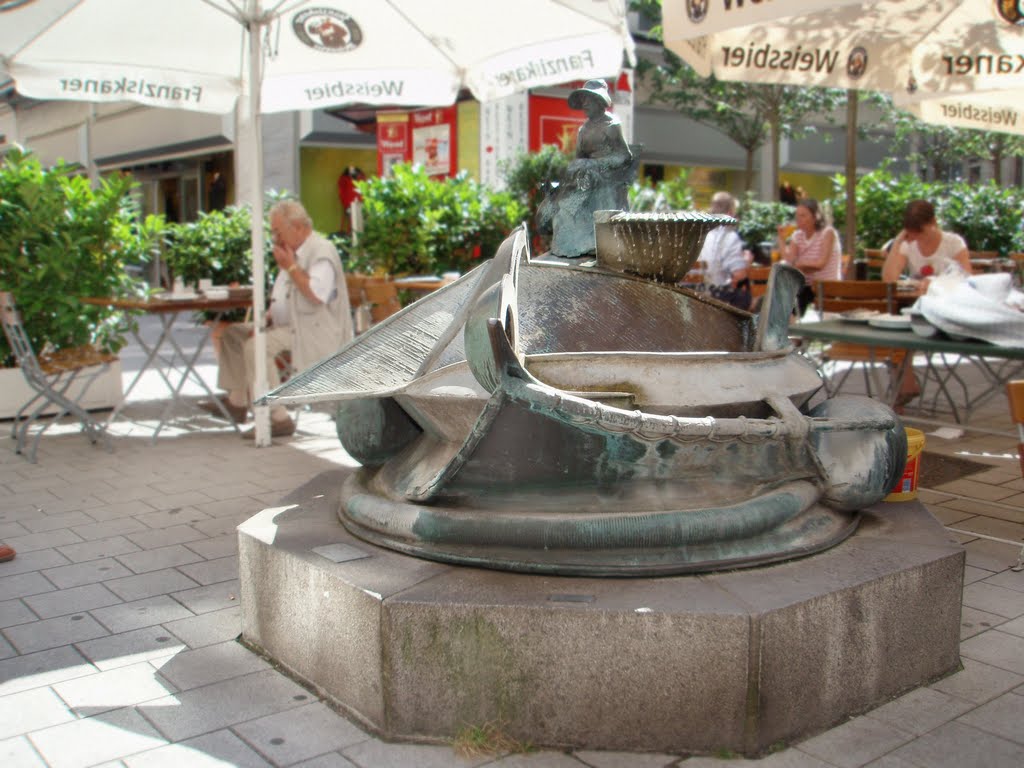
[{"x": 739, "y": 660}]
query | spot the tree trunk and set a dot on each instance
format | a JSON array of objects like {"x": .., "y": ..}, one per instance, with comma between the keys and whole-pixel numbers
[
  {"x": 851, "y": 173},
  {"x": 748, "y": 170},
  {"x": 997, "y": 164}
]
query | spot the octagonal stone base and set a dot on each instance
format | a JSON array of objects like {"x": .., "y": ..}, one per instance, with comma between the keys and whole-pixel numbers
[{"x": 740, "y": 660}]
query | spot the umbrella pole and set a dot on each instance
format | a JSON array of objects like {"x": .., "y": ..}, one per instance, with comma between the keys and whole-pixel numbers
[
  {"x": 851, "y": 174},
  {"x": 250, "y": 154}
]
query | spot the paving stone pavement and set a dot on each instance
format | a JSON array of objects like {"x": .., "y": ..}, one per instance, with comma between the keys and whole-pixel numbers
[{"x": 119, "y": 617}]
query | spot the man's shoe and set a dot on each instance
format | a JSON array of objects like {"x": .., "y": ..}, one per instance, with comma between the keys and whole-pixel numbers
[
  {"x": 6, "y": 553},
  {"x": 283, "y": 428},
  {"x": 239, "y": 413}
]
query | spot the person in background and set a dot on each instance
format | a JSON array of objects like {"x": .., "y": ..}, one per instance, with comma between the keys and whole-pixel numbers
[
  {"x": 309, "y": 316},
  {"x": 6, "y": 553},
  {"x": 813, "y": 249},
  {"x": 787, "y": 194},
  {"x": 922, "y": 248},
  {"x": 725, "y": 265}
]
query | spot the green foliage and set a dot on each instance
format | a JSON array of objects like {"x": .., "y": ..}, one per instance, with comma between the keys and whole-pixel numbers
[
  {"x": 415, "y": 224},
  {"x": 941, "y": 150},
  {"x": 670, "y": 195},
  {"x": 759, "y": 220},
  {"x": 217, "y": 245},
  {"x": 526, "y": 175},
  {"x": 881, "y": 200},
  {"x": 60, "y": 240},
  {"x": 749, "y": 114},
  {"x": 987, "y": 216}
]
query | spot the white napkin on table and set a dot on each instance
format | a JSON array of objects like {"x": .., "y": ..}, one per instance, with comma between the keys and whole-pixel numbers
[{"x": 985, "y": 307}]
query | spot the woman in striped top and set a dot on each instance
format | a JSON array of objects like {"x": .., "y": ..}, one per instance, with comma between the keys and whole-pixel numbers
[{"x": 813, "y": 249}]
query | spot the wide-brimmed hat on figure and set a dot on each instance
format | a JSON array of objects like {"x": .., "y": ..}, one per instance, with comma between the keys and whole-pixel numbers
[{"x": 597, "y": 88}]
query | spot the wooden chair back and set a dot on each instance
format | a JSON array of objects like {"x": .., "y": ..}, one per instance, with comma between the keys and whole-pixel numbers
[
  {"x": 382, "y": 296},
  {"x": 875, "y": 258},
  {"x": 354, "y": 283},
  {"x": 1015, "y": 394},
  {"x": 844, "y": 295},
  {"x": 846, "y": 266},
  {"x": 982, "y": 261},
  {"x": 758, "y": 280}
]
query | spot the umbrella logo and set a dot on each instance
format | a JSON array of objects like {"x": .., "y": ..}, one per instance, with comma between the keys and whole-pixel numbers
[
  {"x": 696, "y": 10},
  {"x": 1012, "y": 11},
  {"x": 326, "y": 29},
  {"x": 857, "y": 62}
]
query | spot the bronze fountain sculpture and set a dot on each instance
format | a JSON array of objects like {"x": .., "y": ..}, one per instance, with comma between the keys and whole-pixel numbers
[
  {"x": 592, "y": 418},
  {"x": 556, "y": 419}
]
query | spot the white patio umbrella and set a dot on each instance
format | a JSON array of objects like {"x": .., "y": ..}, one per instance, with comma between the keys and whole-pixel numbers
[
  {"x": 903, "y": 47},
  {"x": 984, "y": 111},
  {"x": 930, "y": 46},
  {"x": 257, "y": 56}
]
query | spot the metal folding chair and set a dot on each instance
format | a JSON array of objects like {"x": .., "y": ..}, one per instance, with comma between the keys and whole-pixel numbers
[{"x": 51, "y": 378}]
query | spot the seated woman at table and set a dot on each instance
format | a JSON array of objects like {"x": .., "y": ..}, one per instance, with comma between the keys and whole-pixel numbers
[
  {"x": 923, "y": 249},
  {"x": 813, "y": 249}
]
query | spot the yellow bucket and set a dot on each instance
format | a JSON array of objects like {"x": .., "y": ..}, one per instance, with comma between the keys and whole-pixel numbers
[{"x": 906, "y": 488}]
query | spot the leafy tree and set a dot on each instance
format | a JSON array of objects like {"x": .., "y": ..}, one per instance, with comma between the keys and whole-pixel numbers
[
  {"x": 942, "y": 149},
  {"x": 1000, "y": 146},
  {"x": 748, "y": 113},
  {"x": 709, "y": 102}
]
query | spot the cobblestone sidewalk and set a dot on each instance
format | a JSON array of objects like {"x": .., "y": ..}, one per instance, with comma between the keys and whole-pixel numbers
[{"x": 119, "y": 616}]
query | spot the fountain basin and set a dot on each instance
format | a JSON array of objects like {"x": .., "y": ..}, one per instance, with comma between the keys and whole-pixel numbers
[{"x": 659, "y": 246}]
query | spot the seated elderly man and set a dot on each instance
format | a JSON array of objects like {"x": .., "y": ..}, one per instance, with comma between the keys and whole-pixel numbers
[{"x": 309, "y": 316}]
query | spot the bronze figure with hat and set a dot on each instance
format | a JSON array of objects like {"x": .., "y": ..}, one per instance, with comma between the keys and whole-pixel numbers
[{"x": 597, "y": 179}]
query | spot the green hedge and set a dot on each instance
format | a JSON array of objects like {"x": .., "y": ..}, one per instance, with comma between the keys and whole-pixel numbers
[
  {"x": 416, "y": 224},
  {"x": 61, "y": 239},
  {"x": 218, "y": 245},
  {"x": 988, "y": 217}
]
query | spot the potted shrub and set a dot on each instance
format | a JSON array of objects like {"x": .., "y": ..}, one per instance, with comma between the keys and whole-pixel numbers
[
  {"x": 216, "y": 245},
  {"x": 62, "y": 239},
  {"x": 758, "y": 221},
  {"x": 417, "y": 224}
]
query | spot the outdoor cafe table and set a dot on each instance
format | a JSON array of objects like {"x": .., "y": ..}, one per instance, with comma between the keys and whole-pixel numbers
[
  {"x": 166, "y": 355},
  {"x": 945, "y": 360}
]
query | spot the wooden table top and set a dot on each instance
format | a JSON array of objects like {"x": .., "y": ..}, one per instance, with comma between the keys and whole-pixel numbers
[{"x": 162, "y": 303}]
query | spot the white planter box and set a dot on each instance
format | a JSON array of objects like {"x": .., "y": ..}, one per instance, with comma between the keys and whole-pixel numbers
[{"x": 105, "y": 391}]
